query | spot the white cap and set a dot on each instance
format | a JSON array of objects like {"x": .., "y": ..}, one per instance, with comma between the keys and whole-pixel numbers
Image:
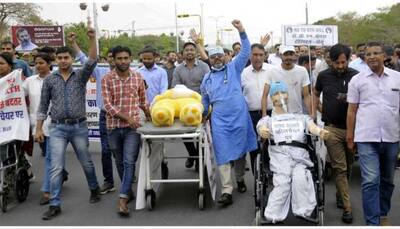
[
  {"x": 284, "y": 49},
  {"x": 215, "y": 50}
]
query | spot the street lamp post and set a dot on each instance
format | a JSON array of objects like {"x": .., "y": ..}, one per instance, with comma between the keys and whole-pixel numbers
[
  {"x": 193, "y": 15},
  {"x": 105, "y": 8},
  {"x": 217, "y": 41},
  {"x": 220, "y": 32}
]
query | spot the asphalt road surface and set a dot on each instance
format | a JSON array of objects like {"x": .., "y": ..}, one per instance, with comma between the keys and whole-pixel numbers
[{"x": 176, "y": 203}]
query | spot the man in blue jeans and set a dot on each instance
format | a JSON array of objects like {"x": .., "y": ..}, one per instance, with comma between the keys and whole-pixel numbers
[
  {"x": 65, "y": 89},
  {"x": 373, "y": 123},
  {"x": 98, "y": 74},
  {"x": 124, "y": 94}
]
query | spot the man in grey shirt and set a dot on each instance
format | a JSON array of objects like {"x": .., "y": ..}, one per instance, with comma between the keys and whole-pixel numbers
[{"x": 190, "y": 73}]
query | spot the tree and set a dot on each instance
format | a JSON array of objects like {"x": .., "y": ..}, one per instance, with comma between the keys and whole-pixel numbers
[
  {"x": 19, "y": 13},
  {"x": 379, "y": 26}
]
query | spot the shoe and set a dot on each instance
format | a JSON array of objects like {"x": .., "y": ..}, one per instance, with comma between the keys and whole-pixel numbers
[
  {"x": 31, "y": 176},
  {"x": 44, "y": 200},
  {"x": 225, "y": 199},
  {"x": 347, "y": 217},
  {"x": 339, "y": 202},
  {"x": 65, "y": 176},
  {"x": 106, "y": 188},
  {"x": 241, "y": 187},
  {"x": 94, "y": 195},
  {"x": 189, "y": 163},
  {"x": 385, "y": 221},
  {"x": 123, "y": 209},
  {"x": 51, "y": 213},
  {"x": 131, "y": 196}
]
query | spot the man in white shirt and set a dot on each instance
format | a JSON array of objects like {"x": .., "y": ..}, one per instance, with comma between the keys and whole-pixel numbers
[
  {"x": 275, "y": 58},
  {"x": 297, "y": 80},
  {"x": 254, "y": 77}
]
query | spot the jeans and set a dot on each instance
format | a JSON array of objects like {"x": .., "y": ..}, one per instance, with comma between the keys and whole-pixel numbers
[
  {"x": 125, "y": 144},
  {"x": 46, "y": 176},
  {"x": 60, "y": 136},
  {"x": 255, "y": 117},
  {"x": 377, "y": 162},
  {"x": 106, "y": 159}
]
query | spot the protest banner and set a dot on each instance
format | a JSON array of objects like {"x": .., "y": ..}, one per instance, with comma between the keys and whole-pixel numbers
[
  {"x": 14, "y": 118},
  {"x": 27, "y": 38},
  {"x": 310, "y": 35},
  {"x": 92, "y": 111}
]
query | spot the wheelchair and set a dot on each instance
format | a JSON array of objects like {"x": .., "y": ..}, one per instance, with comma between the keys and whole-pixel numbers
[
  {"x": 263, "y": 182},
  {"x": 14, "y": 178}
]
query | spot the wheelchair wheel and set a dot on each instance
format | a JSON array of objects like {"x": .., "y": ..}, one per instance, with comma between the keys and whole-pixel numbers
[
  {"x": 257, "y": 181},
  {"x": 21, "y": 184},
  {"x": 3, "y": 202}
]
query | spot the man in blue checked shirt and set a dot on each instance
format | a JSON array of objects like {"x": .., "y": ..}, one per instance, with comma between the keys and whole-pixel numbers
[{"x": 65, "y": 89}]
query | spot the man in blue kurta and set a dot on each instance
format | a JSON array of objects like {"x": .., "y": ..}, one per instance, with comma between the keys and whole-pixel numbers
[{"x": 232, "y": 130}]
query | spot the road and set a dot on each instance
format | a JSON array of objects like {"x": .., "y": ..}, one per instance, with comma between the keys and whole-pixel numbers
[{"x": 176, "y": 204}]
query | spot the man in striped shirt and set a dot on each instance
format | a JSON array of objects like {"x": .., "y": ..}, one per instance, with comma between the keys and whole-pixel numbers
[{"x": 123, "y": 93}]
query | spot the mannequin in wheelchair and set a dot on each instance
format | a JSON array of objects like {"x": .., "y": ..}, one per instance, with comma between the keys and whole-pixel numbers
[{"x": 289, "y": 158}]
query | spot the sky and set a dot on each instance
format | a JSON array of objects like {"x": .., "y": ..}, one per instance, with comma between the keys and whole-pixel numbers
[{"x": 158, "y": 16}]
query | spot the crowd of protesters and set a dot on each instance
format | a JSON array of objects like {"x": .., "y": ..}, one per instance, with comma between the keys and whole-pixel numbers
[{"x": 357, "y": 94}]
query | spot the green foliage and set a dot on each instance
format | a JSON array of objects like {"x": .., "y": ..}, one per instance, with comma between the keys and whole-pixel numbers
[
  {"x": 162, "y": 43},
  {"x": 380, "y": 26},
  {"x": 19, "y": 13}
]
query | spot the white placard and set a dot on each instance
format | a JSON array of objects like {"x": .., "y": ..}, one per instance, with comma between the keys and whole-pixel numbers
[
  {"x": 287, "y": 130},
  {"x": 14, "y": 118},
  {"x": 315, "y": 35},
  {"x": 92, "y": 111}
]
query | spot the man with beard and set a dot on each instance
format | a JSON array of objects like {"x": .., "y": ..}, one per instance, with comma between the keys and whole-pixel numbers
[
  {"x": 25, "y": 42},
  {"x": 232, "y": 130},
  {"x": 297, "y": 80},
  {"x": 374, "y": 100},
  {"x": 106, "y": 157},
  {"x": 333, "y": 83},
  {"x": 155, "y": 77},
  {"x": 124, "y": 96},
  {"x": 359, "y": 63},
  {"x": 169, "y": 66},
  {"x": 190, "y": 73}
]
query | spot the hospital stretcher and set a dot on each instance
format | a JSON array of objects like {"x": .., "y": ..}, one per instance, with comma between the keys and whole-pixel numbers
[{"x": 153, "y": 137}]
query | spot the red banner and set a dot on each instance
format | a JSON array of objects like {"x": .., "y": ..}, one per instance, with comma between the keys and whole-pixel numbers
[{"x": 29, "y": 37}]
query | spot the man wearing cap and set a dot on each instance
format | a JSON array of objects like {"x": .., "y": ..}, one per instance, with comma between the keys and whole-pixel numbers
[
  {"x": 297, "y": 80},
  {"x": 190, "y": 73},
  {"x": 232, "y": 130}
]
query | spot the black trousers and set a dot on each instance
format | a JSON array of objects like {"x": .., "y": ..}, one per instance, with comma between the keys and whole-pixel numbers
[{"x": 255, "y": 117}]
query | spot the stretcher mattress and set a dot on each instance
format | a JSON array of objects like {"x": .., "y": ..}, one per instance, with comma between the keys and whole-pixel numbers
[{"x": 177, "y": 128}]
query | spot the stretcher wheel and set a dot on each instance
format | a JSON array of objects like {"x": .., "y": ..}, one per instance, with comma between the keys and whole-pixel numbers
[
  {"x": 21, "y": 184},
  {"x": 258, "y": 217},
  {"x": 151, "y": 200},
  {"x": 202, "y": 200},
  {"x": 3, "y": 202},
  {"x": 164, "y": 170},
  {"x": 320, "y": 217}
]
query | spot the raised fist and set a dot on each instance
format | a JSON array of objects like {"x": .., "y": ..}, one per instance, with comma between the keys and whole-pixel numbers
[{"x": 238, "y": 25}]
